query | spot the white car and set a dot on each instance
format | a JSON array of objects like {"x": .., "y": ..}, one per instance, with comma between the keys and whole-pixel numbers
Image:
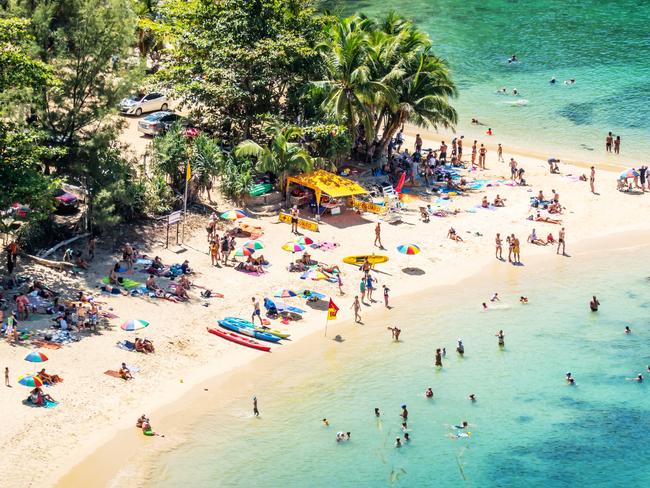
[{"x": 140, "y": 103}]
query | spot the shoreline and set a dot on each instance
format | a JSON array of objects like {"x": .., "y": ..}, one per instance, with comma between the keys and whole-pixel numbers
[{"x": 185, "y": 412}]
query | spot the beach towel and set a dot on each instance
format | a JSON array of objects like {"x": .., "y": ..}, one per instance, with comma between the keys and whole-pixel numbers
[
  {"x": 127, "y": 283},
  {"x": 46, "y": 344},
  {"x": 113, "y": 373},
  {"x": 126, "y": 345},
  {"x": 49, "y": 404},
  {"x": 249, "y": 273}
]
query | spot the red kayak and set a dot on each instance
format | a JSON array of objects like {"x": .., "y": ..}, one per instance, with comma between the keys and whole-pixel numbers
[{"x": 237, "y": 339}]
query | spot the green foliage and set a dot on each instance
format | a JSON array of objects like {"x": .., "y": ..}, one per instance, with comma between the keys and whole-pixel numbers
[
  {"x": 327, "y": 141},
  {"x": 206, "y": 160},
  {"x": 239, "y": 59},
  {"x": 383, "y": 74},
  {"x": 171, "y": 152},
  {"x": 236, "y": 177},
  {"x": 280, "y": 156}
]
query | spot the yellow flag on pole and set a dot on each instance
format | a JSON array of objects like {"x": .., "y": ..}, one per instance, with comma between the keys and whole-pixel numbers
[{"x": 188, "y": 173}]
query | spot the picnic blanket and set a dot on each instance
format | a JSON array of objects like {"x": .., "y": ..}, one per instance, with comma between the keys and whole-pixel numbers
[
  {"x": 113, "y": 373},
  {"x": 126, "y": 345},
  {"x": 46, "y": 344}
]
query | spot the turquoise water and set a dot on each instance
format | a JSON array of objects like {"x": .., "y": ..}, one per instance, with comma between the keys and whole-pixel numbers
[
  {"x": 528, "y": 427},
  {"x": 604, "y": 45}
]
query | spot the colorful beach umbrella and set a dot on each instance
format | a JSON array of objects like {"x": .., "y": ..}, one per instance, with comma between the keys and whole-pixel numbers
[
  {"x": 284, "y": 293},
  {"x": 134, "y": 324},
  {"x": 304, "y": 241},
  {"x": 244, "y": 251},
  {"x": 36, "y": 357},
  {"x": 629, "y": 173},
  {"x": 255, "y": 245},
  {"x": 293, "y": 247},
  {"x": 409, "y": 249},
  {"x": 30, "y": 380},
  {"x": 233, "y": 215},
  {"x": 313, "y": 274}
]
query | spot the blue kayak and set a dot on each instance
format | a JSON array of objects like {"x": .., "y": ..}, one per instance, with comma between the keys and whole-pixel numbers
[
  {"x": 259, "y": 328},
  {"x": 264, "y": 336}
]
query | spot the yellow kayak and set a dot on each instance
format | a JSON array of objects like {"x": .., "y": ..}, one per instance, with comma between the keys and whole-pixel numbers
[{"x": 359, "y": 260}]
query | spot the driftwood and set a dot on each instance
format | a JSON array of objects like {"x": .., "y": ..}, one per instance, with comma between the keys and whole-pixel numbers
[
  {"x": 60, "y": 265},
  {"x": 61, "y": 244}
]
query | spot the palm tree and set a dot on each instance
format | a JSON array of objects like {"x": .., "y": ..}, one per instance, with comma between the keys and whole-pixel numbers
[
  {"x": 423, "y": 95},
  {"x": 349, "y": 86},
  {"x": 206, "y": 162},
  {"x": 280, "y": 156}
]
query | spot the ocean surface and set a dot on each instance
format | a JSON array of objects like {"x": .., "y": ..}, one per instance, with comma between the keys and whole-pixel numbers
[
  {"x": 603, "y": 45},
  {"x": 528, "y": 427}
]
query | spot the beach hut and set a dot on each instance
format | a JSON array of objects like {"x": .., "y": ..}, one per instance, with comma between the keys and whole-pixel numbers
[{"x": 322, "y": 183}]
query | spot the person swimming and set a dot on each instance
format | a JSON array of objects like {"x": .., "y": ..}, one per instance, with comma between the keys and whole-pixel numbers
[
  {"x": 404, "y": 426},
  {"x": 398, "y": 442},
  {"x": 512, "y": 59},
  {"x": 628, "y": 330},
  {"x": 569, "y": 379},
  {"x": 515, "y": 92},
  {"x": 523, "y": 299},
  {"x": 462, "y": 426},
  {"x": 502, "y": 90},
  {"x": 428, "y": 393},
  {"x": 571, "y": 81},
  {"x": 407, "y": 437},
  {"x": 485, "y": 306},
  {"x": 495, "y": 298},
  {"x": 377, "y": 413},
  {"x": 472, "y": 397},
  {"x": 553, "y": 80},
  {"x": 326, "y": 423},
  {"x": 638, "y": 378},
  {"x": 460, "y": 349}
]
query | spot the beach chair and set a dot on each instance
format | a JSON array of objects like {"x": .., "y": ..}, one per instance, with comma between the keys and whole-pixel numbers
[
  {"x": 424, "y": 214},
  {"x": 389, "y": 191}
]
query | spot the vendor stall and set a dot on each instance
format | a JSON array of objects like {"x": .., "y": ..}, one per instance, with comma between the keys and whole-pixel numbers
[{"x": 329, "y": 190}]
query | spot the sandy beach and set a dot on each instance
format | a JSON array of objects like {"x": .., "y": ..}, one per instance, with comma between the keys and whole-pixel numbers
[{"x": 93, "y": 407}]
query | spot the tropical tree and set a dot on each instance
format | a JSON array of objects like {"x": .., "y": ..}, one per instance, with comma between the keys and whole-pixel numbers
[
  {"x": 206, "y": 159},
  {"x": 280, "y": 156}
]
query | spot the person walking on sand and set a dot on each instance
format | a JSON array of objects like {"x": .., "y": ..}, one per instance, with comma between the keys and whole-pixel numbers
[
  {"x": 294, "y": 219},
  {"x": 356, "y": 306},
  {"x": 256, "y": 311},
  {"x": 481, "y": 156},
  {"x": 256, "y": 412},
  {"x": 460, "y": 148},
  {"x": 513, "y": 169},
  {"x": 339, "y": 282},
  {"x": 560, "y": 241},
  {"x": 7, "y": 376},
  {"x": 474, "y": 153},
  {"x": 362, "y": 289},
  {"x": 378, "y": 235},
  {"x": 418, "y": 143},
  {"x": 92, "y": 243},
  {"x": 214, "y": 252},
  {"x": 500, "y": 153},
  {"x": 499, "y": 247},
  {"x": 592, "y": 179},
  {"x": 386, "y": 290},
  {"x": 617, "y": 145}
]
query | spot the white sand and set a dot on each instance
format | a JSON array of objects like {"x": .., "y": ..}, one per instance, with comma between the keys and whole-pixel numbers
[{"x": 41, "y": 445}]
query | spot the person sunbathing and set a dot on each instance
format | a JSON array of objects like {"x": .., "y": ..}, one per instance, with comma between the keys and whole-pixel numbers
[
  {"x": 485, "y": 203},
  {"x": 37, "y": 397},
  {"x": 549, "y": 238},
  {"x": 125, "y": 373},
  {"x": 43, "y": 290},
  {"x": 141, "y": 421},
  {"x": 554, "y": 208},
  {"x": 48, "y": 379},
  {"x": 329, "y": 269},
  {"x": 533, "y": 239},
  {"x": 80, "y": 263},
  {"x": 252, "y": 268},
  {"x": 139, "y": 345},
  {"x": 453, "y": 236},
  {"x": 184, "y": 282},
  {"x": 180, "y": 292},
  {"x": 148, "y": 346},
  {"x": 157, "y": 263},
  {"x": 499, "y": 202},
  {"x": 151, "y": 284},
  {"x": 539, "y": 218},
  {"x": 293, "y": 267},
  {"x": 540, "y": 196},
  {"x": 112, "y": 274}
]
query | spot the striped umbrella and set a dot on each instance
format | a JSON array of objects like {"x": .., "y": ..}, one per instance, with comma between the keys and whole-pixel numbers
[
  {"x": 313, "y": 274},
  {"x": 233, "y": 215},
  {"x": 255, "y": 245},
  {"x": 36, "y": 357},
  {"x": 30, "y": 380},
  {"x": 244, "y": 251},
  {"x": 134, "y": 324},
  {"x": 284, "y": 293},
  {"x": 629, "y": 173},
  {"x": 305, "y": 241},
  {"x": 409, "y": 249},
  {"x": 293, "y": 247}
]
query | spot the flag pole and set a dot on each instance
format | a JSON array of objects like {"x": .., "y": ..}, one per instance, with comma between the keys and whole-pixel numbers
[
  {"x": 187, "y": 179},
  {"x": 327, "y": 319}
]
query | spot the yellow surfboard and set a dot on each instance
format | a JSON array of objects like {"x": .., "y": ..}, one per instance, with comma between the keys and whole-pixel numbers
[{"x": 359, "y": 260}]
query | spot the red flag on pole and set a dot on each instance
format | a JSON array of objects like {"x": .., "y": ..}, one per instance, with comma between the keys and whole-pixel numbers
[{"x": 332, "y": 309}]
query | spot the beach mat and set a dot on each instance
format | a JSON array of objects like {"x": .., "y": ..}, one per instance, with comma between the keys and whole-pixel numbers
[
  {"x": 126, "y": 283},
  {"x": 113, "y": 374},
  {"x": 46, "y": 344},
  {"x": 126, "y": 345}
]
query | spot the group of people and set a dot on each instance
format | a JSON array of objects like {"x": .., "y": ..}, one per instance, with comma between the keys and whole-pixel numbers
[{"x": 514, "y": 248}]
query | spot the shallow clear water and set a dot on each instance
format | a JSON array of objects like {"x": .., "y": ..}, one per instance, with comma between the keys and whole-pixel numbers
[
  {"x": 528, "y": 427},
  {"x": 604, "y": 45}
]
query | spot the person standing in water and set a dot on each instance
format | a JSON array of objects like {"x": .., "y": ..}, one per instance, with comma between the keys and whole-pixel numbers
[
  {"x": 404, "y": 414},
  {"x": 501, "y": 337},
  {"x": 481, "y": 156},
  {"x": 561, "y": 242},
  {"x": 617, "y": 145},
  {"x": 256, "y": 412},
  {"x": 594, "y": 304},
  {"x": 438, "y": 358},
  {"x": 377, "y": 412},
  {"x": 500, "y": 153},
  {"x": 460, "y": 349},
  {"x": 608, "y": 142}
]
